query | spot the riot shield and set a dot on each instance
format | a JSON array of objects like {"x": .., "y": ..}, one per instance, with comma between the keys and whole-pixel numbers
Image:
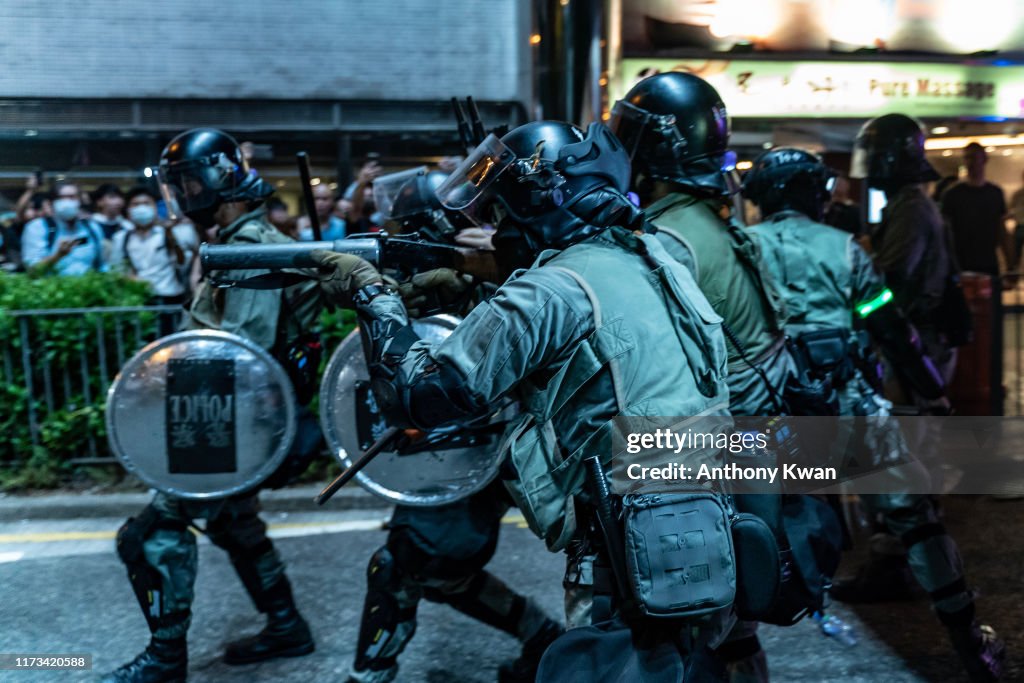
[
  {"x": 201, "y": 414},
  {"x": 447, "y": 465}
]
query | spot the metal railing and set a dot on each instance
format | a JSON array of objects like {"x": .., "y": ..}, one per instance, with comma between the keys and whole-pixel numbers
[
  {"x": 1010, "y": 316},
  {"x": 64, "y": 359},
  {"x": 58, "y": 361}
]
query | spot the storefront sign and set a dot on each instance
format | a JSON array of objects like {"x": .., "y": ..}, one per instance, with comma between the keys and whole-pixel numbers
[{"x": 771, "y": 89}]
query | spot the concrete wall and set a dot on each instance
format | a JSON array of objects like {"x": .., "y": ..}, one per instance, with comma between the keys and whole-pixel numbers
[{"x": 254, "y": 49}]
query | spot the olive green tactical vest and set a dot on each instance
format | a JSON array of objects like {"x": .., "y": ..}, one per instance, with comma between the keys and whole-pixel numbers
[
  {"x": 657, "y": 350},
  {"x": 726, "y": 268},
  {"x": 823, "y": 275},
  {"x": 301, "y": 303}
]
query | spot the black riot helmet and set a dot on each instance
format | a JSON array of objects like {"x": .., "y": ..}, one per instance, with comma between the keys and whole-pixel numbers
[
  {"x": 545, "y": 183},
  {"x": 408, "y": 200},
  {"x": 787, "y": 178},
  {"x": 203, "y": 168},
  {"x": 889, "y": 151},
  {"x": 675, "y": 128}
]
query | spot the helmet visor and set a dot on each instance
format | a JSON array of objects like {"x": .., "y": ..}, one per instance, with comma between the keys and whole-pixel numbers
[
  {"x": 400, "y": 189},
  {"x": 195, "y": 184},
  {"x": 627, "y": 123},
  {"x": 476, "y": 174},
  {"x": 631, "y": 125},
  {"x": 859, "y": 162}
]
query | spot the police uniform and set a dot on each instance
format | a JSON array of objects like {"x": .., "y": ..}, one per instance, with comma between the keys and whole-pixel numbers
[
  {"x": 727, "y": 268},
  {"x": 826, "y": 277},
  {"x": 158, "y": 546},
  {"x": 910, "y": 248},
  {"x": 440, "y": 553},
  {"x": 571, "y": 342}
]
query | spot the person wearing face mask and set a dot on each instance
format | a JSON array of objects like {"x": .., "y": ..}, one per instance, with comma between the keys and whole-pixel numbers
[
  {"x": 64, "y": 242},
  {"x": 154, "y": 253}
]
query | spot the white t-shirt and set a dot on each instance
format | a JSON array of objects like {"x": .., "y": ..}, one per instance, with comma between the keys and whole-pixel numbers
[{"x": 151, "y": 260}]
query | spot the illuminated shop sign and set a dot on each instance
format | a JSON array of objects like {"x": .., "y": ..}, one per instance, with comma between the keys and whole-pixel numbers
[
  {"x": 936, "y": 26},
  {"x": 753, "y": 88}
]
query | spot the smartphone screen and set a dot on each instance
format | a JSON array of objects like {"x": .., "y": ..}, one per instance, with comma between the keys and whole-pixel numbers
[{"x": 876, "y": 202}]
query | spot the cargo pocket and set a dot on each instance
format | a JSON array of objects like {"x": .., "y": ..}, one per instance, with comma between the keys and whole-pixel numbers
[
  {"x": 546, "y": 507},
  {"x": 679, "y": 554}
]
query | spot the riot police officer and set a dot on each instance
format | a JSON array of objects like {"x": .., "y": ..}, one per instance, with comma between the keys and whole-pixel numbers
[
  {"x": 829, "y": 281},
  {"x": 676, "y": 130},
  {"x": 573, "y": 343},
  {"x": 439, "y": 553},
  {"x": 911, "y": 246},
  {"x": 203, "y": 172}
]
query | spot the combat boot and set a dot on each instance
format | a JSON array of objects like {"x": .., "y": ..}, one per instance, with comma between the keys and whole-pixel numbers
[
  {"x": 523, "y": 669},
  {"x": 386, "y": 671},
  {"x": 163, "y": 661},
  {"x": 285, "y": 635},
  {"x": 977, "y": 645}
]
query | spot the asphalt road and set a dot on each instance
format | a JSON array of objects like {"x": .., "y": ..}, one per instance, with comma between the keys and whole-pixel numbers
[{"x": 62, "y": 589}]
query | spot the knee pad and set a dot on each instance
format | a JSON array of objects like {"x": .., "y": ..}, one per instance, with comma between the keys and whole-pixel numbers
[
  {"x": 146, "y": 580},
  {"x": 381, "y": 572},
  {"x": 389, "y": 616},
  {"x": 133, "y": 533}
]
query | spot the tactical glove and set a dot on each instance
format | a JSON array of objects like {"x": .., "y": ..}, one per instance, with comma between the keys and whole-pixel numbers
[
  {"x": 439, "y": 288},
  {"x": 345, "y": 274}
]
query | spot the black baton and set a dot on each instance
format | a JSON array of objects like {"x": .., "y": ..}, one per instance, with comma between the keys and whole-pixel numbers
[
  {"x": 302, "y": 159},
  {"x": 613, "y": 541},
  {"x": 385, "y": 440}
]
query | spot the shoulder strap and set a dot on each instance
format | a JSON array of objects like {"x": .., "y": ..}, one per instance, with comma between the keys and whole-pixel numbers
[
  {"x": 588, "y": 358},
  {"x": 51, "y": 231},
  {"x": 673, "y": 235},
  {"x": 97, "y": 242},
  {"x": 124, "y": 251}
]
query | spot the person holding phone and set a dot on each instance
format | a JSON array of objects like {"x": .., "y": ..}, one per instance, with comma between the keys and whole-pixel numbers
[{"x": 65, "y": 242}]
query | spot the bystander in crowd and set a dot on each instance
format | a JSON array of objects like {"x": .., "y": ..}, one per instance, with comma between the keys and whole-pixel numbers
[
  {"x": 158, "y": 254},
  {"x": 66, "y": 242},
  {"x": 976, "y": 211},
  {"x": 332, "y": 226},
  {"x": 108, "y": 201}
]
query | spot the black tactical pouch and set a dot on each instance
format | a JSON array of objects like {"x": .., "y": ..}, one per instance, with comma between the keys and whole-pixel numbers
[
  {"x": 301, "y": 360},
  {"x": 827, "y": 354},
  {"x": 679, "y": 554},
  {"x": 805, "y": 393},
  {"x": 758, "y": 571}
]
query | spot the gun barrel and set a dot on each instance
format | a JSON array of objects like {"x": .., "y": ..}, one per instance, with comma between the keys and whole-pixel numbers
[{"x": 286, "y": 255}]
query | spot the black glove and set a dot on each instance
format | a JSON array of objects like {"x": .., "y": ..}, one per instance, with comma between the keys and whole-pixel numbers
[
  {"x": 442, "y": 286},
  {"x": 346, "y": 274}
]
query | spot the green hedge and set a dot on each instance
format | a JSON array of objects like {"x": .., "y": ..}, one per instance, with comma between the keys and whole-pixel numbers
[{"x": 59, "y": 342}]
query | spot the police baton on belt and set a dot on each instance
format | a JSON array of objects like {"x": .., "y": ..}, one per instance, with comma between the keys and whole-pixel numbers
[{"x": 302, "y": 159}]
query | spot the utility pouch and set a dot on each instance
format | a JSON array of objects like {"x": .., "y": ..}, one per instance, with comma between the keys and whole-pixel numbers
[
  {"x": 301, "y": 360},
  {"x": 679, "y": 554},
  {"x": 758, "y": 572},
  {"x": 828, "y": 353},
  {"x": 806, "y": 393}
]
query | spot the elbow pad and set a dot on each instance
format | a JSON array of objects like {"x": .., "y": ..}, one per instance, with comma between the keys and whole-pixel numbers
[
  {"x": 434, "y": 396},
  {"x": 439, "y": 396},
  {"x": 902, "y": 346}
]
